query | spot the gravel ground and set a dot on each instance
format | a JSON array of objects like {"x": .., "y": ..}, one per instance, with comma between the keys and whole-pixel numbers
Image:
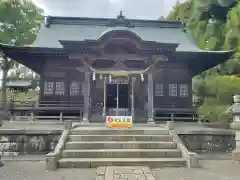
[
  {"x": 211, "y": 170},
  {"x": 36, "y": 171}
]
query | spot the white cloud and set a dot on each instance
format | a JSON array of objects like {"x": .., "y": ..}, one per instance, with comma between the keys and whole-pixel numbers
[{"x": 147, "y": 9}]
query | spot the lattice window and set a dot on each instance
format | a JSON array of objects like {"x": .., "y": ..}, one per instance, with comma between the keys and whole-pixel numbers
[
  {"x": 60, "y": 89},
  {"x": 75, "y": 89},
  {"x": 48, "y": 88},
  {"x": 159, "y": 90},
  {"x": 183, "y": 90},
  {"x": 173, "y": 90}
]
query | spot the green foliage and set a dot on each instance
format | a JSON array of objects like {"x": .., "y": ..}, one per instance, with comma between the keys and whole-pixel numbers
[
  {"x": 32, "y": 95},
  {"x": 215, "y": 95},
  {"x": 19, "y": 22},
  {"x": 215, "y": 25}
]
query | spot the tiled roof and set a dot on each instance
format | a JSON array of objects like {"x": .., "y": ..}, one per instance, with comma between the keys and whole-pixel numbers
[
  {"x": 79, "y": 29},
  {"x": 19, "y": 83}
]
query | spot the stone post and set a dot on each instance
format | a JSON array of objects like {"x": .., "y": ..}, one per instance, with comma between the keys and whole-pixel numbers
[
  {"x": 1, "y": 162},
  {"x": 68, "y": 125},
  {"x": 150, "y": 100},
  {"x": 236, "y": 126},
  {"x": 51, "y": 162}
]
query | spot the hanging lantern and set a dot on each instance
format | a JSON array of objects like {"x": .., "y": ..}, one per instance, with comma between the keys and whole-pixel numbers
[
  {"x": 142, "y": 77},
  {"x": 110, "y": 78},
  {"x": 94, "y": 76}
]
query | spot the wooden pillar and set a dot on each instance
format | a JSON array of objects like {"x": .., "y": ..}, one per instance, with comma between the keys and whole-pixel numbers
[
  {"x": 104, "y": 96},
  {"x": 86, "y": 93},
  {"x": 150, "y": 99},
  {"x": 117, "y": 113},
  {"x": 132, "y": 100},
  {"x": 61, "y": 117}
]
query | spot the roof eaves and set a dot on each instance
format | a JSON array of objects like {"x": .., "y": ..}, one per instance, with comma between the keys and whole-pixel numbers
[{"x": 44, "y": 50}]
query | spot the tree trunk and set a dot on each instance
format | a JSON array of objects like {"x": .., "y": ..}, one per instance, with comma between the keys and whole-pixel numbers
[{"x": 4, "y": 80}]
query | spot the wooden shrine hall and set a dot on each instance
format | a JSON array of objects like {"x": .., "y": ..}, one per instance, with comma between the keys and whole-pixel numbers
[{"x": 98, "y": 66}]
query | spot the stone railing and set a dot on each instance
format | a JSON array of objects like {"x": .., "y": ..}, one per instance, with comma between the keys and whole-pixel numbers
[
  {"x": 28, "y": 141},
  {"x": 53, "y": 157},
  {"x": 192, "y": 158}
]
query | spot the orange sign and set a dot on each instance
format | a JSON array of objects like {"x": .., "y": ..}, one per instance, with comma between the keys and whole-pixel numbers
[{"x": 119, "y": 121}]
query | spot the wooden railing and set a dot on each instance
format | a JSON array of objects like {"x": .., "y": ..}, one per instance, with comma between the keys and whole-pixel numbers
[
  {"x": 44, "y": 104},
  {"x": 171, "y": 105},
  {"x": 33, "y": 115},
  {"x": 176, "y": 118},
  {"x": 30, "y": 110}
]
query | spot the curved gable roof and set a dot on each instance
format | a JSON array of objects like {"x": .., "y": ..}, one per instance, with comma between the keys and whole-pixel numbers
[{"x": 80, "y": 29}]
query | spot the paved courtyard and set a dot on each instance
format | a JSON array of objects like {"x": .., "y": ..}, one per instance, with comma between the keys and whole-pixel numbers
[
  {"x": 36, "y": 171},
  {"x": 211, "y": 170}
]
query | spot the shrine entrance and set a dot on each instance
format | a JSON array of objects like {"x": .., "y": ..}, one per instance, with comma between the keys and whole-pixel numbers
[{"x": 118, "y": 97}]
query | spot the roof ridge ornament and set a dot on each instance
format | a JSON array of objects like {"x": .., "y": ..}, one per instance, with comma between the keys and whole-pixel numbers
[
  {"x": 47, "y": 21},
  {"x": 120, "y": 16},
  {"x": 184, "y": 26},
  {"x": 120, "y": 21}
]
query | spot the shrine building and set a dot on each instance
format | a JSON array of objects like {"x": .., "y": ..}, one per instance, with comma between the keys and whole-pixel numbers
[{"x": 95, "y": 67}]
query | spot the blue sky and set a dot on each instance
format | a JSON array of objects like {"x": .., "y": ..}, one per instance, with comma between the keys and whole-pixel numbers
[{"x": 143, "y": 9}]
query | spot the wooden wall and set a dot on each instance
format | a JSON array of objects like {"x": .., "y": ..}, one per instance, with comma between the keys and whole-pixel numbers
[
  {"x": 67, "y": 82},
  {"x": 172, "y": 73},
  {"x": 64, "y": 71}
]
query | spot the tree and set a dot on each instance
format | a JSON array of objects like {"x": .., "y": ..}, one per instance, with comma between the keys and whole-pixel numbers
[
  {"x": 23, "y": 73},
  {"x": 19, "y": 22},
  {"x": 215, "y": 25}
]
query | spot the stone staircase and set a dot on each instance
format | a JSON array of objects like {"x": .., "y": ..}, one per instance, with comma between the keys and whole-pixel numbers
[{"x": 142, "y": 146}]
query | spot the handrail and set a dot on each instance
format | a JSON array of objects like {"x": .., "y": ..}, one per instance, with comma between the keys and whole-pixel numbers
[
  {"x": 53, "y": 157},
  {"x": 192, "y": 158}
]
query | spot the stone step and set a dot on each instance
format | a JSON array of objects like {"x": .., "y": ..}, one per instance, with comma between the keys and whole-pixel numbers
[
  {"x": 120, "y": 145},
  {"x": 96, "y": 162},
  {"x": 105, "y": 131},
  {"x": 121, "y": 153},
  {"x": 163, "y": 138}
]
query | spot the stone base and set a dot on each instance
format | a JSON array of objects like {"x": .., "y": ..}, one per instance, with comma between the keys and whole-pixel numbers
[
  {"x": 1, "y": 163},
  {"x": 68, "y": 125},
  {"x": 235, "y": 125},
  {"x": 51, "y": 162},
  {"x": 85, "y": 121},
  {"x": 151, "y": 121},
  {"x": 170, "y": 125},
  {"x": 236, "y": 155}
]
